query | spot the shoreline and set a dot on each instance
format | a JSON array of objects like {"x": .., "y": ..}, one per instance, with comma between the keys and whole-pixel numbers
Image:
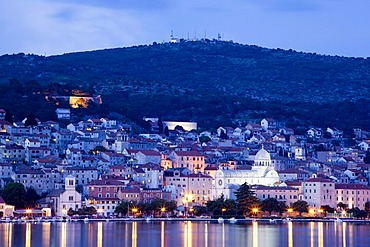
[{"x": 229, "y": 221}]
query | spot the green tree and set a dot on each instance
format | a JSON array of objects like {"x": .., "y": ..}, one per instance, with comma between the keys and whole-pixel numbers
[
  {"x": 14, "y": 194},
  {"x": 245, "y": 199},
  {"x": 98, "y": 149},
  {"x": 270, "y": 205},
  {"x": 160, "y": 125},
  {"x": 367, "y": 157},
  {"x": 342, "y": 206},
  {"x": 300, "y": 206},
  {"x": 204, "y": 138},
  {"x": 327, "y": 209},
  {"x": 166, "y": 132},
  {"x": 123, "y": 207},
  {"x": 8, "y": 117},
  {"x": 87, "y": 211},
  {"x": 223, "y": 135},
  {"x": 31, "y": 120},
  {"x": 367, "y": 207},
  {"x": 31, "y": 197}
]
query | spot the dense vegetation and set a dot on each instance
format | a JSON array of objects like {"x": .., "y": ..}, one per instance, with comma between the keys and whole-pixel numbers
[{"x": 211, "y": 82}]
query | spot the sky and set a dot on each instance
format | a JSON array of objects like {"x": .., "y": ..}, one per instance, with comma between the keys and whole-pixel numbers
[{"x": 49, "y": 27}]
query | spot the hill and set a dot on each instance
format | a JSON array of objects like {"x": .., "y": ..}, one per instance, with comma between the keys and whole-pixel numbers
[{"x": 212, "y": 82}]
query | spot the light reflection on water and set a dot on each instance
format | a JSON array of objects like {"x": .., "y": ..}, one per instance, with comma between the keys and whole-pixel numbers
[{"x": 187, "y": 234}]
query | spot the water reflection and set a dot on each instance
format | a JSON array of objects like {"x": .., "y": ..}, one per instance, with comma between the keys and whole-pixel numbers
[
  {"x": 166, "y": 234},
  {"x": 290, "y": 234},
  {"x": 46, "y": 233},
  {"x": 100, "y": 234},
  {"x": 321, "y": 234},
  {"x": 344, "y": 224},
  {"x": 312, "y": 235},
  {"x": 28, "y": 234},
  {"x": 255, "y": 234},
  {"x": 188, "y": 238},
  {"x": 134, "y": 234},
  {"x": 162, "y": 234},
  {"x": 8, "y": 234},
  {"x": 63, "y": 237}
]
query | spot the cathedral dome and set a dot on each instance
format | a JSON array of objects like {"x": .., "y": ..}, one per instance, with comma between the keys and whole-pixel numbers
[{"x": 262, "y": 155}]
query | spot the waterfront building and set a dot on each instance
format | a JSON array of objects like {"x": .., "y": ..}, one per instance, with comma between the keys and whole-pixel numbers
[{"x": 262, "y": 173}]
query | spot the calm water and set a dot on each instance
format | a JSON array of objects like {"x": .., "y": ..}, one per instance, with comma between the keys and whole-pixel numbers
[{"x": 178, "y": 234}]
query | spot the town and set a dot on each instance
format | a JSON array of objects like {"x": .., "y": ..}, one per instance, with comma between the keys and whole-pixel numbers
[{"x": 101, "y": 166}]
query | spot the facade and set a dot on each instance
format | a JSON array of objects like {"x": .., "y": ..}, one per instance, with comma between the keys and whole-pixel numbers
[
  {"x": 286, "y": 194},
  {"x": 62, "y": 200},
  {"x": 192, "y": 160},
  {"x": 189, "y": 188},
  {"x": 262, "y": 173}
]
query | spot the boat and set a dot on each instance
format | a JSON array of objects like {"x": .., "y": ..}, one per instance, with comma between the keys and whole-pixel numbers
[
  {"x": 233, "y": 220},
  {"x": 220, "y": 220},
  {"x": 86, "y": 220},
  {"x": 338, "y": 220},
  {"x": 147, "y": 219},
  {"x": 272, "y": 220}
]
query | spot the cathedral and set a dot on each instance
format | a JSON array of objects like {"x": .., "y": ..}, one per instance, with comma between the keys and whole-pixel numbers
[{"x": 227, "y": 181}]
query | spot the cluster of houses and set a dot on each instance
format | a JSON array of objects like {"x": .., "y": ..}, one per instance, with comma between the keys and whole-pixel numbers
[{"x": 99, "y": 162}]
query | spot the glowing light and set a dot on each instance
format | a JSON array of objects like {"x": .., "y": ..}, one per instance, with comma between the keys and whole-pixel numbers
[
  {"x": 312, "y": 211},
  {"x": 255, "y": 210},
  {"x": 134, "y": 210},
  {"x": 28, "y": 211},
  {"x": 290, "y": 234},
  {"x": 191, "y": 209},
  {"x": 163, "y": 209},
  {"x": 321, "y": 210},
  {"x": 224, "y": 209},
  {"x": 134, "y": 234},
  {"x": 28, "y": 235},
  {"x": 100, "y": 234},
  {"x": 290, "y": 210},
  {"x": 100, "y": 210}
]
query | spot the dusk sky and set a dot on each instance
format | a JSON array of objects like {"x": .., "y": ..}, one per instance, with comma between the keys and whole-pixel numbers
[{"x": 334, "y": 27}]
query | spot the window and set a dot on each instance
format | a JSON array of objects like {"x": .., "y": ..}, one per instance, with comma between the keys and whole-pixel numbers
[
  {"x": 70, "y": 198},
  {"x": 70, "y": 182}
]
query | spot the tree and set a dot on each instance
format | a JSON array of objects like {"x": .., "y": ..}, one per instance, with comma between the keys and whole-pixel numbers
[
  {"x": 270, "y": 205},
  {"x": 123, "y": 207},
  {"x": 216, "y": 206},
  {"x": 14, "y": 194},
  {"x": 31, "y": 197},
  {"x": 160, "y": 125},
  {"x": 179, "y": 128},
  {"x": 342, "y": 206},
  {"x": 300, "y": 206},
  {"x": 357, "y": 213},
  {"x": 166, "y": 132},
  {"x": 327, "y": 209},
  {"x": 31, "y": 120},
  {"x": 204, "y": 138},
  {"x": 98, "y": 149},
  {"x": 8, "y": 117},
  {"x": 87, "y": 211},
  {"x": 367, "y": 157},
  {"x": 245, "y": 199},
  {"x": 223, "y": 135},
  {"x": 367, "y": 207}
]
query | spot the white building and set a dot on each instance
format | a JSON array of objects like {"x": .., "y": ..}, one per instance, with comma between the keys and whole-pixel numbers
[
  {"x": 64, "y": 199},
  {"x": 262, "y": 173}
]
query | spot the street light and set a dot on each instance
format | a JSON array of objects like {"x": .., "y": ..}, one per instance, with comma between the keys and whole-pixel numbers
[
  {"x": 255, "y": 211},
  {"x": 191, "y": 210},
  {"x": 223, "y": 210},
  {"x": 163, "y": 209}
]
